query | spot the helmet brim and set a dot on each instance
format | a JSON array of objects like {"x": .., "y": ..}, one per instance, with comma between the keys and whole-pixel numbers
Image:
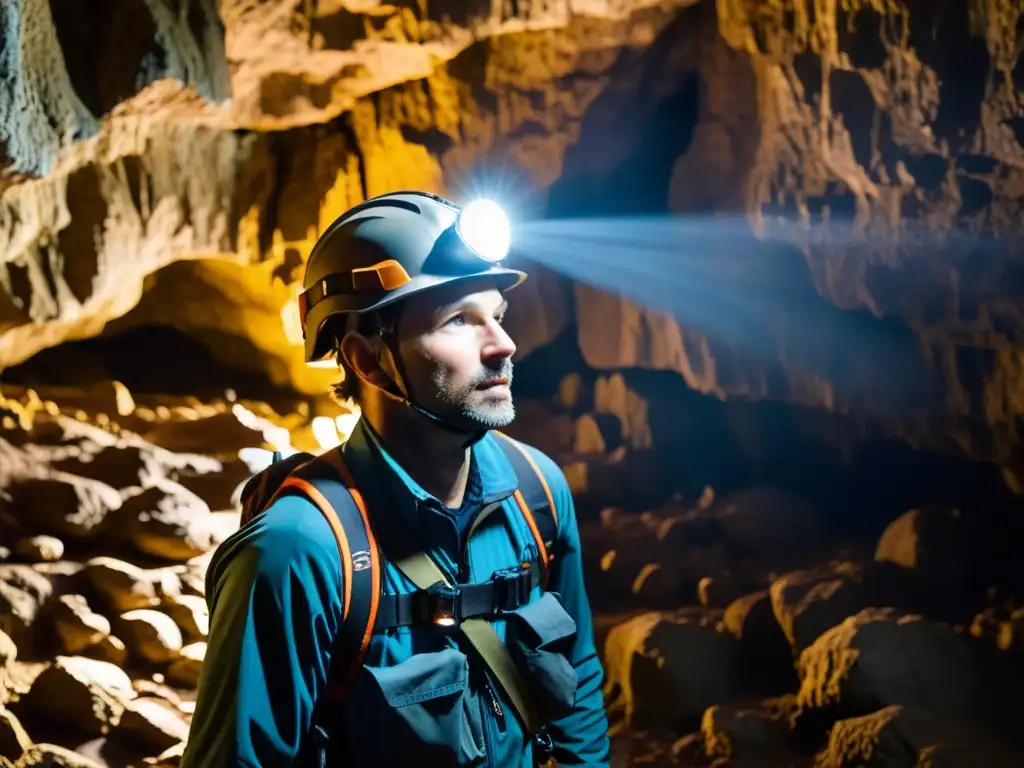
[{"x": 504, "y": 278}]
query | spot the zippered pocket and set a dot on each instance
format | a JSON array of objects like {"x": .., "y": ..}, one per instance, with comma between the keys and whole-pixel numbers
[
  {"x": 420, "y": 711},
  {"x": 494, "y": 704}
]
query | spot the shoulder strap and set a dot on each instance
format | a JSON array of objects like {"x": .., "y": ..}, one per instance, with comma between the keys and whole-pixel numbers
[
  {"x": 261, "y": 489},
  {"x": 329, "y": 485},
  {"x": 533, "y": 497}
]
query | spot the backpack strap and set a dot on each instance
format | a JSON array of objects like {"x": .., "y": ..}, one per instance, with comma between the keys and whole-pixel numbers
[
  {"x": 533, "y": 497},
  {"x": 329, "y": 485},
  {"x": 261, "y": 489}
]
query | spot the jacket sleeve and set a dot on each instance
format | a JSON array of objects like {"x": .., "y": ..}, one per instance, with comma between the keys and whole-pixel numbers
[
  {"x": 274, "y": 592},
  {"x": 580, "y": 738}
]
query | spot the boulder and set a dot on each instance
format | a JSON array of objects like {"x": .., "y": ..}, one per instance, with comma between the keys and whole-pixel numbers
[
  {"x": 80, "y": 630},
  {"x": 737, "y": 736},
  {"x": 809, "y": 602},
  {"x": 125, "y": 587},
  {"x": 904, "y": 737},
  {"x": 149, "y": 635},
  {"x": 665, "y": 669},
  {"x": 23, "y": 592},
  {"x": 78, "y": 626},
  {"x": 881, "y": 657},
  {"x": 110, "y": 648},
  {"x": 40, "y": 549},
  {"x": 168, "y": 521},
  {"x": 218, "y": 433},
  {"x": 115, "y": 465},
  {"x": 65, "y": 505},
  {"x": 214, "y": 487},
  {"x": 151, "y": 723},
  {"x": 8, "y": 650},
  {"x": 83, "y": 694}
]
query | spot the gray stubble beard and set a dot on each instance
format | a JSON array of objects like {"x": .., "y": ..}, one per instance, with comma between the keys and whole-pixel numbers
[{"x": 460, "y": 402}]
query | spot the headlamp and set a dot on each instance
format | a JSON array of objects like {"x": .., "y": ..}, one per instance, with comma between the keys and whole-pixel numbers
[{"x": 485, "y": 229}]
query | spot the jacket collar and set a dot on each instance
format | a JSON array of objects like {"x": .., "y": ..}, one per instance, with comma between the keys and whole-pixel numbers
[{"x": 492, "y": 477}]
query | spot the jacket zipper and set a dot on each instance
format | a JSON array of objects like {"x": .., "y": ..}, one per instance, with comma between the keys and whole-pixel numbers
[{"x": 496, "y": 708}]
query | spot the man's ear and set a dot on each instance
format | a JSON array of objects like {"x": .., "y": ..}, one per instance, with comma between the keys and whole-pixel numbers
[{"x": 367, "y": 361}]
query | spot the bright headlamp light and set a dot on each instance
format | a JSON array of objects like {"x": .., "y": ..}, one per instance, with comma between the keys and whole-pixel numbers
[{"x": 485, "y": 229}]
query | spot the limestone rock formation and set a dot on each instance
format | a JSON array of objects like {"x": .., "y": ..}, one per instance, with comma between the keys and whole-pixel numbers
[
  {"x": 238, "y": 133},
  {"x": 179, "y": 176},
  {"x": 899, "y": 736},
  {"x": 100, "y": 655},
  {"x": 856, "y": 168},
  {"x": 666, "y": 669},
  {"x": 722, "y": 651}
]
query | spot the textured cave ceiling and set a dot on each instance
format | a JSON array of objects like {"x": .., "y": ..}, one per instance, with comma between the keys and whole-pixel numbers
[
  {"x": 170, "y": 163},
  {"x": 167, "y": 165}
]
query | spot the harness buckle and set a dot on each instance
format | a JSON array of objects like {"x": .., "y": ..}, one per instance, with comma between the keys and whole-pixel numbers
[
  {"x": 511, "y": 589},
  {"x": 543, "y": 745},
  {"x": 444, "y": 606}
]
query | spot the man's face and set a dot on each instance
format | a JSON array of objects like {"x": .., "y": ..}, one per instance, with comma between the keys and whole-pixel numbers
[{"x": 457, "y": 356}]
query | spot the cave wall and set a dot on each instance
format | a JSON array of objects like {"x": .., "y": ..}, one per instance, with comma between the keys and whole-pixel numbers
[{"x": 181, "y": 176}]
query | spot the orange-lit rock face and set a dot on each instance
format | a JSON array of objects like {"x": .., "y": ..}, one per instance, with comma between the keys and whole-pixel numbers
[
  {"x": 181, "y": 175},
  {"x": 246, "y": 138}
]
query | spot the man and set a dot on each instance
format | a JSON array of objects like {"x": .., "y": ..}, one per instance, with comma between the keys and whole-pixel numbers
[{"x": 405, "y": 293}]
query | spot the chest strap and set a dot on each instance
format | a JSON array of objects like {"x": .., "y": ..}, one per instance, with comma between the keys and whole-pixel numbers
[
  {"x": 507, "y": 590},
  {"x": 422, "y": 571}
]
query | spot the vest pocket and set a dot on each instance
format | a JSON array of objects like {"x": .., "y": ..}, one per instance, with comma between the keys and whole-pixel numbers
[
  {"x": 540, "y": 636},
  {"x": 419, "y": 712}
]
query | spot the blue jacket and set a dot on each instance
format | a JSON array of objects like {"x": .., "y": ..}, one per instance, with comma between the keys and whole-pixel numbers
[{"x": 274, "y": 590}]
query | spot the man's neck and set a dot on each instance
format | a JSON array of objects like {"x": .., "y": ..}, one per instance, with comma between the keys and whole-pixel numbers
[{"x": 438, "y": 460}]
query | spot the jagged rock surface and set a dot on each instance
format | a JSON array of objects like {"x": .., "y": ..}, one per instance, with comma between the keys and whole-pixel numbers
[
  {"x": 171, "y": 166},
  {"x": 723, "y": 654},
  {"x": 234, "y": 133},
  {"x": 102, "y": 640}
]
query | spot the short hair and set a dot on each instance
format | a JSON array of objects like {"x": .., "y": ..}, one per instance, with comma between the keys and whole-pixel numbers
[{"x": 365, "y": 324}]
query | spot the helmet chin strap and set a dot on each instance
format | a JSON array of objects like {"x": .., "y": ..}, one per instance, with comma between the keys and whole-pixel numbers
[{"x": 400, "y": 383}]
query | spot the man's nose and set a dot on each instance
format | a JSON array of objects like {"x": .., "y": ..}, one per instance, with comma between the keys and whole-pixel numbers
[{"x": 499, "y": 344}]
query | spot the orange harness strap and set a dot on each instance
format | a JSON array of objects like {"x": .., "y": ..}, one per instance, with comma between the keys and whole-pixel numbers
[{"x": 351, "y": 562}]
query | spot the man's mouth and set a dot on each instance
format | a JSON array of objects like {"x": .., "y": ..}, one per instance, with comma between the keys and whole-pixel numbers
[{"x": 498, "y": 381}]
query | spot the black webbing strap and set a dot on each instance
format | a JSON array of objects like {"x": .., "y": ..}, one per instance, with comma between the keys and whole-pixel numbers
[
  {"x": 533, "y": 488},
  {"x": 506, "y": 591},
  {"x": 349, "y": 644}
]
